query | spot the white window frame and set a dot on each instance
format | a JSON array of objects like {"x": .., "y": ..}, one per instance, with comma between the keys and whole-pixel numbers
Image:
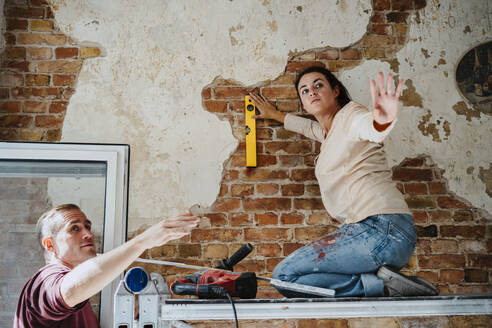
[{"x": 117, "y": 158}]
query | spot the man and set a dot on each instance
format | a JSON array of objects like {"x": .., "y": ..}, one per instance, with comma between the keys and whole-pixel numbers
[{"x": 58, "y": 294}]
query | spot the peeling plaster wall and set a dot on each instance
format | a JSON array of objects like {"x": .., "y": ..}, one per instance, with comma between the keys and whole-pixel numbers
[
  {"x": 439, "y": 35},
  {"x": 146, "y": 90}
]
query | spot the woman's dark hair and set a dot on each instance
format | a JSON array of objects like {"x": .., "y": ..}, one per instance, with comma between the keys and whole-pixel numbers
[{"x": 343, "y": 97}]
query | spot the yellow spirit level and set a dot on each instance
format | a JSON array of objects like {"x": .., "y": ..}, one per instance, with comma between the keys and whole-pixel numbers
[{"x": 250, "y": 123}]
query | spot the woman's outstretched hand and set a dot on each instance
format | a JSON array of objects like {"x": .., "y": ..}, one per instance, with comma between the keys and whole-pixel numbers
[
  {"x": 384, "y": 101},
  {"x": 266, "y": 109}
]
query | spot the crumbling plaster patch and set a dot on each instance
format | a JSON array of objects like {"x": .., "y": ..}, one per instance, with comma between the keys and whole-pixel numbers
[
  {"x": 455, "y": 142},
  {"x": 146, "y": 91}
]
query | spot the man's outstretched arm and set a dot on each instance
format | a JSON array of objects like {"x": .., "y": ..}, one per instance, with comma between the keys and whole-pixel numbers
[{"x": 91, "y": 276}]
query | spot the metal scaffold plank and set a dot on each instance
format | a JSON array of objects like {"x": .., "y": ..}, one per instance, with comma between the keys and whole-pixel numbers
[{"x": 327, "y": 308}]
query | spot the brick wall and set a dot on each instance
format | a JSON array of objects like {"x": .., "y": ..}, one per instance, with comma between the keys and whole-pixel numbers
[
  {"x": 39, "y": 70},
  {"x": 276, "y": 206}
]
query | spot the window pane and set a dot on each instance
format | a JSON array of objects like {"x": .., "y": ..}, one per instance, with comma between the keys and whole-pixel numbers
[{"x": 28, "y": 189}]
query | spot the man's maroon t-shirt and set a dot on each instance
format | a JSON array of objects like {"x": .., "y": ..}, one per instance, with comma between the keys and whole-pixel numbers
[{"x": 41, "y": 304}]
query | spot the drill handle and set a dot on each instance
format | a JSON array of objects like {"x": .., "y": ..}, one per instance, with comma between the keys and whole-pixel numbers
[
  {"x": 202, "y": 291},
  {"x": 239, "y": 255}
]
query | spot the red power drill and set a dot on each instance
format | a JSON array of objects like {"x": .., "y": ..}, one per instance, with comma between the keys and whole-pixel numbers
[{"x": 215, "y": 283}]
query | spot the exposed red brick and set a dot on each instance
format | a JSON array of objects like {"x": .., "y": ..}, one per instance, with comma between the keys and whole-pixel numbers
[
  {"x": 226, "y": 204},
  {"x": 416, "y": 188},
  {"x": 24, "y": 12},
  {"x": 312, "y": 233},
  {"x": 437, "y": 188},
  {"x": 430, "y": 276},
  {"x": 15, "y": 121},
  {"x": 451, "y": 276},
  {"x": 420, "y": 202},
  {"x": 258, "y": 174},
  {"x": 263, "y": 234},
  {"x": 37, "y": 80},
  {"x": 298, "y": 66},
  {"x": 330, "y": 54},
  {"x": 378, "y": 18},
  {"x": 401, "y": 5},
  {"x": 230, "y": 92},
  {"x": 295, "y": 147},
  {"x": 479, "y": 260},
  {"x": 38, "y": 3},
  {"x": 462, "y": 216},
  {"x": 279, "y": 92},
  {"x": 288, "y": 106},
  {"x": 15, "y": 66},
  {"x": 444, "y": 246},
  {"x": 268, "y": 250},
  {"x": 40, "y": 25},
  {"x": 216, "y": 234},
  {"x": 450, "y": 202},
  {"x": 11, "y": 80},
  {"x": 440, "y": 216},
  {"x": 250, "y": 266},
  {"x": 420, "y": 216},
  {"x": 441, "y": 261},
  {"x": 49, "y": 121},
  {"x": 217, "y": 219},
  {"x": 419, "y": 4},
  {"x": 238, "y": 190},
  {"x": 10, "y": 107},
  {"x": 215, "y": 106},
  {"x": 350, "y": 53},
  {"x": 16, "y": 24},
  {"x": 238, "y": 219},
  {"x": 477, "y": 276},
  {"x": 291, "y": 247},
  {"x": 39, "y": 53},
  {"x": 41, "y": 38},
  {"x": 313, "y": 190},
  {"x": 47, "y": 92},
  {"x": 266, "y": 160},
  {"x": 308, "y": 204},
  {"x": 63, "y": 80},
  {"x": 292, "y": 218},
  {"x": 381, "y": 4},
  {"x": 66, "y": 52},
  {"x": 397, "y": 17},
  {"x": 303, "y": 175},
  {"x": 206, "y": 93},
  {"x": 381, "y": 29},
  {"x": 266, "y": 219},
  {"x": 267, "y": 204},
  {"x": 411, "y": 174},
  {"x": 463, "y": 231},
  {"x": 59, "y": 66},
  {"x": 267, "y": 188},
  {"x": 264, "y": 134},
  {"x": 293, "y": 190},
  {"x": 35, "y": 107}
]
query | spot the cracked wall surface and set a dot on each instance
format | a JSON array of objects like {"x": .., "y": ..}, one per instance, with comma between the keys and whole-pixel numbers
[{"x": 145, "y": 90}]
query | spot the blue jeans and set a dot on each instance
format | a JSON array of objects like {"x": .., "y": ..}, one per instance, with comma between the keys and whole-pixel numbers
[{"x": 347, "y": 259}]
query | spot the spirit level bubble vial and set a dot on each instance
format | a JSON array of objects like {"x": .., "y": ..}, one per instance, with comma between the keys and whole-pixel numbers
[{"x": 250, "y": 122}]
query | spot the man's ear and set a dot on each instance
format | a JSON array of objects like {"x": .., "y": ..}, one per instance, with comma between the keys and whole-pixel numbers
[{"x": 48, "y": 244}]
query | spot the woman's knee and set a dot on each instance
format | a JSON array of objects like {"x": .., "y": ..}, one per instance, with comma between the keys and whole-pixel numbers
[{"x": 282, "y": 271}]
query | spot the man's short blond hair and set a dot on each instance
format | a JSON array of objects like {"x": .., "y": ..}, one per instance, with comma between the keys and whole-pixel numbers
[{"x": 47, "y": 225}]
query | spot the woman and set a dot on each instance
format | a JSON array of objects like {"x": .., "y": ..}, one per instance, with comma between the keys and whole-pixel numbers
[{"x": 377, "y": 237}]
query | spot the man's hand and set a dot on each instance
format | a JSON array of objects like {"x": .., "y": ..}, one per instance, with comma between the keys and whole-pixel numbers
[
  {"x": 167, "y": 230},
  {"x": 385, "y": 102},
  {"x": 266, "y": 109}
]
